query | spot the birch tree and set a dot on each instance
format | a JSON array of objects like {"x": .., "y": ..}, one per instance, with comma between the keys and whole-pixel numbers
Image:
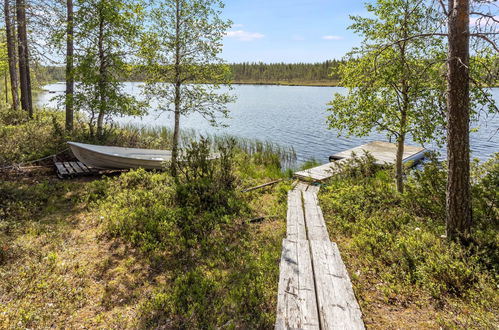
[
  {"x": 394, "y": 81},
  {"x": 106, "y": 34},
  {"x": 184, "y": 71}
]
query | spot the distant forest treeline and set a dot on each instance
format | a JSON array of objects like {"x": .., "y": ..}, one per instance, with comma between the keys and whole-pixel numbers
[{"x": 323, "y": 73}]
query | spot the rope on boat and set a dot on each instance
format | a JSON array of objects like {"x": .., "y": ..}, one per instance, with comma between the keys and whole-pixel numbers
[{"x": 20, "y": 165}]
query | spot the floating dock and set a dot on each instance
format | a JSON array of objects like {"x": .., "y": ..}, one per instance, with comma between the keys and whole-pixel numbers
[{"x": 384, "y": 153}]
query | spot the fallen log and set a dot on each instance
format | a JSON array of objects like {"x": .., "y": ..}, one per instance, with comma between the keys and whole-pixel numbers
[{"x": 262, "y": 185}]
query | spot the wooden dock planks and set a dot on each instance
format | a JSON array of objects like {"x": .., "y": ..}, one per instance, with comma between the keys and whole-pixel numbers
[
  {"x": 295, "y": 227},
  {"x": 72, "y": 169},
  {"x": 321, "y": 172},
  {"x": 316, "y": 226},
  {"x": 338, "y": 307},
  {"x": 314, "y": 291},
  {"x": 384, "y": 153},
  {"x": 296, "y": 300}
]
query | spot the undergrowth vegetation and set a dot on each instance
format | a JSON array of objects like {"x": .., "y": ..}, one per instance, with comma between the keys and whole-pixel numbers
[
  {"x": 395, "y": 249},
  {"x": 141, "y": 249},
  {"x": 197, "y": 228},
  {"x": 146, "y": 250}
]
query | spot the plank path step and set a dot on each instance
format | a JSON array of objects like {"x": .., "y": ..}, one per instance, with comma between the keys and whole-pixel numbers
[
  {"x": 314, "y": 290},
  {"x": 338, "y": 307},
  {"x": 316, "y": 226},
  {"x": 296, "y": 300},
  {"x": 295, "y": 227}
]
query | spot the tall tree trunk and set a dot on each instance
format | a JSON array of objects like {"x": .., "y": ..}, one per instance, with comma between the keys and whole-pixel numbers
[
  {"x": 69, "y": 66},
  {"x": 459, "y": 219},
  {"x": 11, "y": 53},
  {"x": 399, "y": 166},
  {"x": 102, "y": 79},
  {"x": 178, "y": 85},
  {"x": 24, "y": 73}
]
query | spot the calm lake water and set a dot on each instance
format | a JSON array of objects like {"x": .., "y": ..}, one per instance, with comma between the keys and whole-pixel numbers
[{"x": 290, "y": 116}]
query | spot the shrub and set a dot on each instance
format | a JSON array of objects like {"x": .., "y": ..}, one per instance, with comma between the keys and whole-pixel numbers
[
  {"x": 426, "y": 188},
  {"x": 395, "y": 239}
]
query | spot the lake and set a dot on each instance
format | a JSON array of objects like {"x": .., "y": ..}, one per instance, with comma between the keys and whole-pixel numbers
[{"x": 290, "y": 116}]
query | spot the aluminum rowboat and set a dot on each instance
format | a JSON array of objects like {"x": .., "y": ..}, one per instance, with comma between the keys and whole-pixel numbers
[{"x": 105, "y": 157}]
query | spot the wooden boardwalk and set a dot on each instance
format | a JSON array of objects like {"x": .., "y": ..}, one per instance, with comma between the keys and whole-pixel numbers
[
  {"x": 384, "y": 153},
  {"x": 315, "y": 291}
]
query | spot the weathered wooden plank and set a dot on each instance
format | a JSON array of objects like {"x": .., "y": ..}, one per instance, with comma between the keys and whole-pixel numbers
[
  {"x": 69, "y": 168},
  {"x": 84, "y": 167},
  {"x": 61, "y": 170},
  {"x": 296, "y": 301},
  {"x": 383, "y": 152},
  {"x": 314, "y": 219},
  {"x": 262, "y": 185},
  {"x": 301, "y": 186},
  {"x": 295, "y": 227},
  {"x": 77, "y": 167},
  {"x": 338, "y": 307},
  {"x": 321, "y": 172},
  {"x": 313, "y": 189}
]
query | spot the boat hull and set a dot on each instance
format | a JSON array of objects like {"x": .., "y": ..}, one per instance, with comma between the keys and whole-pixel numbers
[{"x": 104, "y": 157}]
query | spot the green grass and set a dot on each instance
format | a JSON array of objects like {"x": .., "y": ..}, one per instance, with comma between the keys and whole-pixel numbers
[
  {"x": 143, "y": 250},
  {"x": 129, "y": 251},
  {"x": 397, "y": 258}
]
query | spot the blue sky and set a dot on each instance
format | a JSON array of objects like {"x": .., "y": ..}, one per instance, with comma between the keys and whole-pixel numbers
[{"x": 290, "y": 30}]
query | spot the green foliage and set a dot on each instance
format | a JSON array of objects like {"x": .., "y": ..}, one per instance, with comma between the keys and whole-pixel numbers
[
  {"x": 222, "y": 270},
  {"x": 174, "y": 58},
  {"x": 285, "y": 72},
  {"x": 107, "y": 33},
  {"x": 22, "y": 140},
  {"x": 394, "y": 241},
  {"x": 486, "y": 195},
  {"x": 394, "y": 81},
  {"x": 426, "y": 190},
  {"x": 139, "y": 206},
  {"x": 205, "y": 191},
  {"x": 309, "y": 164}
]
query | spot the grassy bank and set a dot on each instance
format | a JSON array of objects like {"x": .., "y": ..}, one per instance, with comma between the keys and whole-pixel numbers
[
  {"x": 139, "y": 250},
  {"x": 404, "y": 273},
  {"x": 142, "y": 250}
]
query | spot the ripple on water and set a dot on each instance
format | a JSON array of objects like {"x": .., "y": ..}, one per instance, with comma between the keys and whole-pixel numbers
[{"x": 293, "y": 116}]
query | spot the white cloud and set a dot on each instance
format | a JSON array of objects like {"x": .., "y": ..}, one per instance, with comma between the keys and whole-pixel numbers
[
  {"x": 332, "y": 38},
  {"x": 244, "y": 35},
  {"x": 483, "y": 22}
]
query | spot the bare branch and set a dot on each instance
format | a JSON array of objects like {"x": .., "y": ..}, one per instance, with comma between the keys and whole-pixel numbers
[{"x": 484, "y": 37}]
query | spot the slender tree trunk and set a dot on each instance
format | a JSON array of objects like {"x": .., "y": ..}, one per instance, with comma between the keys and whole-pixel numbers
[
  {"x": 69, "y": 67},
  {"x": 178, "y": 84},
  {"x": 24, "y": 72},
  {"x": 459, "y": 219},
  {"x": 102, "y": 80},
  {"x": 399, "y": 173},
  {"x": 11, "y": 53},
  {"x": 6, "y": 84},
  {"x": 399, "y": 166}
]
